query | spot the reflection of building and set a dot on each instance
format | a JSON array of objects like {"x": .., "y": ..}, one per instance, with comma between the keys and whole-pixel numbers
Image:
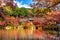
[{"x": 6, "y": 2}]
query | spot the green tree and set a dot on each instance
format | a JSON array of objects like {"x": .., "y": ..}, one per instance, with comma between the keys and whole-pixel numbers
[
  {"x": 16, "y": 12},
  {"x": 23, "y": 12},
  {"x": 8, "y": 10}
]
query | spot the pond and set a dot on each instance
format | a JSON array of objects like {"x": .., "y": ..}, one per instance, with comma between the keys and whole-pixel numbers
[{"x": 21, "y": 35}]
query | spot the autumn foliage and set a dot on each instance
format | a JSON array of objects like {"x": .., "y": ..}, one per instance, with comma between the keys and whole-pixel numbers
[{"x": 35, "y": 20}]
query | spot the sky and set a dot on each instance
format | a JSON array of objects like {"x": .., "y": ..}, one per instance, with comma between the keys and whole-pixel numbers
[{"x": 23, "y": 3}]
